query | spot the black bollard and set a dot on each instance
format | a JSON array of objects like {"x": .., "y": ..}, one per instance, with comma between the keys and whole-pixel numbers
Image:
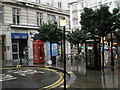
[{"x": 20, "y": 61}]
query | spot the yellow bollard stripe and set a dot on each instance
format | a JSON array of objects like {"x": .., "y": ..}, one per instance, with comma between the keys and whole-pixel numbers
[
  {"x": 18, "y": 66},
  {"x": 66, "y": 86}
]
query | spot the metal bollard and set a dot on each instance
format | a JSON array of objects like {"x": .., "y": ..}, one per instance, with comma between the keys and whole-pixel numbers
[{"x": 20, "y": 61}]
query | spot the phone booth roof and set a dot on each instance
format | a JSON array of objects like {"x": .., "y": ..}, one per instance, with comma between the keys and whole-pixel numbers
[{"x": 38, "y": 42}]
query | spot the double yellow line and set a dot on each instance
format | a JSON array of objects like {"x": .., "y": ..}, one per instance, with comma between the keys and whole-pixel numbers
[
  {"x": 54, "y": 85},
  {"x": 58, "y": 82}
]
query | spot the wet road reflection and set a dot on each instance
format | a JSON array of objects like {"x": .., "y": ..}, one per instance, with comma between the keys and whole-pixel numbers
[{"x": 92, "y": 78}]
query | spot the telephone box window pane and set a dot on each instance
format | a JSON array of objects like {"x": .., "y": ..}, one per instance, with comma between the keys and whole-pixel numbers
[
  {"x": 35, "y": 49},
  {"x": 40, "y": 51}
]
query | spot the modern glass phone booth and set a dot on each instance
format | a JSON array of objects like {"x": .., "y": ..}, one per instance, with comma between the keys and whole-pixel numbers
[{"x": 92, "y": 49}]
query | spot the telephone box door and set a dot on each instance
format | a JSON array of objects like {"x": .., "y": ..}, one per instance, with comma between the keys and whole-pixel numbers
[
  {"x": 93, "y": 60},
  {"x": 38, "y": 52}
]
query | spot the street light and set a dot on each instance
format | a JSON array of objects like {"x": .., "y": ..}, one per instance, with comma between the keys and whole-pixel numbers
[
  {"x": 63, "y": 23},
  {"x": 112, "y": 58}
]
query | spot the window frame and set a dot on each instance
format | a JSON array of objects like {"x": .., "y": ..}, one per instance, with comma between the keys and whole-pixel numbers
[
  {"x": 38, "y": 1},
  {"x": 16, "y": 16},
  {"x": 51, "y": 18},
  {"x": 39, "y": 16},
  {"x": 2, "y": 14}
]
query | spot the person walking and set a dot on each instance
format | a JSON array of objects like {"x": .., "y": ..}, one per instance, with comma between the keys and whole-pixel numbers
[
  {"x": 25, "y": 55},
  {"x": 118, "y": 50}
]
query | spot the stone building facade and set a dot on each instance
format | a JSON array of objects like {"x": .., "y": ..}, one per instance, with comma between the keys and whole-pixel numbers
[
  {"x": 76, "y": 7},
  {"x": 21, "y": 18}
]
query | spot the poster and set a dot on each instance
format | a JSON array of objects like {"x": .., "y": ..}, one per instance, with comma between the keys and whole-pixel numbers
[{"x": 54, "y": 49}]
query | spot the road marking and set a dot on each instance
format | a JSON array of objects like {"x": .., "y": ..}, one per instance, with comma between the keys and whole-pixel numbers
[
  {"x": 57, "y": 83},
  {"x": 47, "y": 66},
  {"x": 4, "y": 77},
  {"x": 26, "y": 72},
  {"x": 70, "y": 72}
]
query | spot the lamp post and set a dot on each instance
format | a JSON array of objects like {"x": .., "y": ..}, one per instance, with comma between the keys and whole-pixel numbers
[
  {"x": 112, "y": 58},
  {"x": 63, "y": 23}
]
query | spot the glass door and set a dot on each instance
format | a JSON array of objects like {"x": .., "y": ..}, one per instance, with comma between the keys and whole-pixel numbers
[{"x": 15, "y": 51}]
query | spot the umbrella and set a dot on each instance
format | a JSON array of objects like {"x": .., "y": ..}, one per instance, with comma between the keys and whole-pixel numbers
[
  {"x": 82, "y": 47},
  {"x": 26, "y": 48}
]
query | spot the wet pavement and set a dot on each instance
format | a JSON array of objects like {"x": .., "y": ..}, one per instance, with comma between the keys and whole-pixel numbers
[
  {"x": 108, "y": 78},
  {"x": 85, "y": 78}
]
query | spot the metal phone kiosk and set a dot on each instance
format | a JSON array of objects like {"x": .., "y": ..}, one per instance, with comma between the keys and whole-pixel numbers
[
  {"x": 38, "y": 52},
  {"x": 92, "y": 48}
]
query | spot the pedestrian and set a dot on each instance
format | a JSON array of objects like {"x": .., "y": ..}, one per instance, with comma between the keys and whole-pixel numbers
[
  {"x": 118, "y": 50},
  {"x": 25, "y": 55},
  {"x": 21, "y": 56}
]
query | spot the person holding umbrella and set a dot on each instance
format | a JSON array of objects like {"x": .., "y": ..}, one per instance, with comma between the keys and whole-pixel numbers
[{"x": 25, "y": 53}]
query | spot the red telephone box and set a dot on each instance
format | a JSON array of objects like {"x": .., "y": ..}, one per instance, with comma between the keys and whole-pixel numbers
[{"x": 38, "y": 52}]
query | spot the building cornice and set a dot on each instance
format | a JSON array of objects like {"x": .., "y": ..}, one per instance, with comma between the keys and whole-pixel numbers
[
  {"x": 73, "y": 2},
  {"x": 23, "y": 26},
  {"x": 38, "y": 6}
]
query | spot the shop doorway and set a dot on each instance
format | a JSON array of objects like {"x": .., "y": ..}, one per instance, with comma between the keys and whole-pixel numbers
[{"x": 18, "y": 46}]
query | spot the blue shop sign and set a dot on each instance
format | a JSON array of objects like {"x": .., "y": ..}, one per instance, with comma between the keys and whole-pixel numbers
[{"x": 19, "y": 35}]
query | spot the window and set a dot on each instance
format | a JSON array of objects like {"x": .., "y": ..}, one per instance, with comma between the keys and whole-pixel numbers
[
  {"x": 75, "y": 14},
  {"x": 59, "y": 5},
  {"x": 82, "y": 4},
  {"x": 16, "y": 16},
  {"x": 1, "y": 14},
  {"x": 118, "y": 4},
  {"x": 75, "y": 22},
  {"x": 39, "y": 18},
  {"x": 38, "y": 1},
  {"x": 51, "y": 18},
  {"x": 75, "y": 7},
  {"x": 49, "y": 2}
]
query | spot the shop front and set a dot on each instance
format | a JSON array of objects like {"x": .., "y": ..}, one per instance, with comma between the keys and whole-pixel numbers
[{"x": 19, "y": 42}]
